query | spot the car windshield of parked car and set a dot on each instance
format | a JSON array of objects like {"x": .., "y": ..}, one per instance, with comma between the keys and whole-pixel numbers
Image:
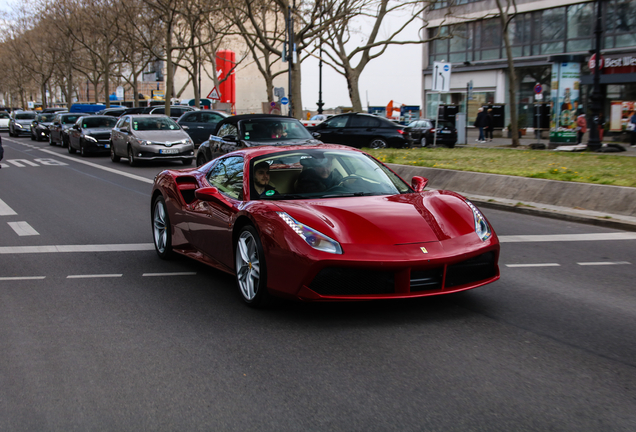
[
  {"x": 45, "y": 117},
  {"x": 274, "y": 130},
  {"x": 4, "y": 115},
  {"x": 154, "y": 123},
  {"x": 24, "y": 116},
  {"x": 99, "y": 122},
  {"x": 318, "y": 173},
  {"x": 71, "y": 119}
]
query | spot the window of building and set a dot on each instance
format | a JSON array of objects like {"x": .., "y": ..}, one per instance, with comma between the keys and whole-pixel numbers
[{"x": 580, "y": 22}]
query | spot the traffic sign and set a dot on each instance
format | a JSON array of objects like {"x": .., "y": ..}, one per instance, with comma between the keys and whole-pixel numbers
[
  {"x": 284, "y": 101},
  {"x": 214, "y": 94},
  {"x": 538, "y": 89},
  {"x": 441, "y": 76}
]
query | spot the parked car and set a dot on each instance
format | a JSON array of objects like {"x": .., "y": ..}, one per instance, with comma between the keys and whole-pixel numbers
[
  {"x": 113, "y": 112},
  {"x": 146, "y": 137},
  {"x": 251, "y": 130},
  {"x": 91, "y": 134},
  {"x": 53, "y": 110},
  {"x": 369, "y": 236},
  {"x": 314, "y": 120},
  {"x": 4, "y": 120},
  {"x": 133, "y": 110},
  {"x": 200, "y": 124},
  {"x": 176, "y": 111},
  {"x": 362, "y": 130},
  {"x": 20, "y": 122},
  {"x": 423, "y": 132},
  {"x": 62, "y": 122},
  {"x": 40, "y": 126}
]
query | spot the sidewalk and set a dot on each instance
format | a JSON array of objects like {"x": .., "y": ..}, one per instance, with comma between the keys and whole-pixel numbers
[{"x": 528, "y": 139}]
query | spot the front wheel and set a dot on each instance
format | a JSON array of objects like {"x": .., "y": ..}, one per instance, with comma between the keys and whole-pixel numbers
[
  {"x": 377, "y": 143},
  {"x": 32, "y": 136},
  {"x": 423, "y": 141},
  {"x": 131, "y": 157},
  {"x": 161, "y": 229},
  {"x": 251, "y": 271},
  {"x": 63, "y": 142},
  {"x": 51, "y": 139},
  {"x": 200, "y": 160},
  {"x": 83, "y": 150},
  {"x": 113, "y": 156},
  {"x": 70, "y": 148}
]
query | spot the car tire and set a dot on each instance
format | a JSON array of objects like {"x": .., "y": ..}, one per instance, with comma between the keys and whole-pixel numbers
[
  {"x": 51, "y": 140},
  {"x": 423, "y": 141},
  {"x": 113, "y": 156},
  {"x": 32, "y": 136},
  {"x": 70, "y": 149},
  {"x": 187, "y": 162},
  {"x": 82, "y": 150},
  {"x": 161, "y": 228},
  {"x": 38, "y": 137},
  {"x": 63, "y": 142},
  {"x": 378, "y": 143},
  {"x": 250, "y": 268},
  {"x": 131, "y": 157},
  {"x": 200, "y": 160}
]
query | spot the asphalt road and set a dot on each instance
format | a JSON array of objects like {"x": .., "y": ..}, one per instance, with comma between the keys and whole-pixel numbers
[{"x": 121, "y": 340}]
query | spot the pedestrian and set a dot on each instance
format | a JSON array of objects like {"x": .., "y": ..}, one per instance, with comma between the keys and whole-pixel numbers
[
  {"x": 581, "y": 127},
  {"x": 631, "y": 127},
  {"x": 480, "y": 122},
  {"x": 490, "y": 124},
  {"x": 601, "y": 126}
]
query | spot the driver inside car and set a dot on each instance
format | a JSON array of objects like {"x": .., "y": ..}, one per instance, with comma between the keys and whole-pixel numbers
[{"x": 317, "y": 175}]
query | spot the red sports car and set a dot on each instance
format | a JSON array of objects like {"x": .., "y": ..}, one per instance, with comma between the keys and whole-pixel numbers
[{"x": 322, "y": 222}]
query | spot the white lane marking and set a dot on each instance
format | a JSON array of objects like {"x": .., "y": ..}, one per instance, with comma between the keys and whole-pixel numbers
[
  {"x": 134, "y": 247},
  {"x": 534, "y": 265},
  {"x": 22, "y": 278},
  {"x": 568, "y": 237},
  {"x": 19, "y": 162},
  {"x": 22, "y": 228},
  {"x": 5, "y": 210},
  {"x": 94, "y": 165},
  {"x": 87, "y": 276},
  {"x": 601, "y": 263},
  {"x": 171, "y": 274}
]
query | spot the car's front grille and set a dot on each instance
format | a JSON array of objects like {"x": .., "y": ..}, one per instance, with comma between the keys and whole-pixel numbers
[
  {"x": 424, "y": 280},
  {"x": 349, "y": 281}
]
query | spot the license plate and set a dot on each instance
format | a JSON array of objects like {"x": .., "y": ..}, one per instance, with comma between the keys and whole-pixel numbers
[
  {"x": 106, "y": 145},
  {"x": 169, "y": 151},
  {"x": 446, "y": 131}
]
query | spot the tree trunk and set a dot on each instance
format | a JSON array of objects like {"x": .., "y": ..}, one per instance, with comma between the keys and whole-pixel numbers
[
  {"x": 512, "y": 80},
  {"x": 297, "y": 102},
  {"x": 169, "y": 78},
  {"x": 43, "y": 90},
  {"x": 135, "y": 89},
  {"x": 107, "y": 82},
  {"x": 353, "y": 78}
]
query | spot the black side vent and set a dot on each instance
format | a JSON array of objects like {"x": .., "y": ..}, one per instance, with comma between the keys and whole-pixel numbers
[
  {"x": 472, "y": 270},
  {"x": 426, "y": 280},
  {"x": 347, "y": 281}
]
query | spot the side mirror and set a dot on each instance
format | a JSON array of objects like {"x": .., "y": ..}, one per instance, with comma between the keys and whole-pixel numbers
[
  {"x": 184, "y": 127},
  {"x": 208, "y": 194},
  {"x": 419, "y": 183},
  {"x": 316, "y": 135},
  {"x": 230, "y": 138},
  {"x": 76, "y": 127}
]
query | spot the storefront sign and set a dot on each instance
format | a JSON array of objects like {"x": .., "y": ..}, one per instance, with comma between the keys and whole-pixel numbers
[
  {"x": 566, "y": 81},
  {"x": 619, "y": 63}
]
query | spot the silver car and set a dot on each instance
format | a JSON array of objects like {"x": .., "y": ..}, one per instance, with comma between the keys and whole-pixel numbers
[{"x": 146, "y": 137}]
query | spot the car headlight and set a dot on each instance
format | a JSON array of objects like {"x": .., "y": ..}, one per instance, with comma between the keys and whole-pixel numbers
[
  {"x": 481, "y": 226},
  {"x": 144, "y": 142},
  {"x": 187, "y": 141},
  {"x": 18, "y": 125},
  {"x": 89, "y": 138},
  {"x": 315, "y": 239}
]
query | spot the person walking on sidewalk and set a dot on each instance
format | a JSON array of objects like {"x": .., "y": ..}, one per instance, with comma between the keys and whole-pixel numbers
[
  {"x": 601, "y": 126},
  {"x": 490, "y": 123},
  {"x": 480, "y": 122},
  {"x": 581, "y": 127},
  {"x": 631, "y": 127}
]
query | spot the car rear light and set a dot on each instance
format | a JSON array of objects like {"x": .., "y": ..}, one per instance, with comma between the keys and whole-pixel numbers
[
  {"x": 401, "y": 131},
  {"x": 432, "y": 130}
]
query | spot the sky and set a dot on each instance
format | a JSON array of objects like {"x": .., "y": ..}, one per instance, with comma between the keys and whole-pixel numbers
[{"x": 396, "y": 75}]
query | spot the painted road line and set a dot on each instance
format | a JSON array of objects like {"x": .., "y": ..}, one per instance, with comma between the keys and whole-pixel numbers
[
  {"x": 534, "y": 265},
  {"x": 171, "y": 274},
  {"x": 568, "y": 237},
  {"x": 22, "y": 228},
  {"x": 5, "y": 210},
  {"x": 602, "y": 263},
  {"x": 134, "y": 247},
  {"x": 87, "y": 276},
  {"x": 22, "y": 278},
  {"x": 101, "y": 167}
]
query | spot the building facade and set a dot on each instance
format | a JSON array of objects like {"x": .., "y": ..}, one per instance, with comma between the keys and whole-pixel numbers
[{"x": 551, "y": 45}]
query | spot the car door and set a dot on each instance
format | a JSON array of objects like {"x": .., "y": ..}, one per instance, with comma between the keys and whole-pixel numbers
[
  {"x": 332, "y": 131},
  {"x": 208, "y": 122},
  {"x": 210, "y": 222},
  {"x": 360, "y": 130},
  {"x": 54, "y": 131},
  {"x": 190, "y": 123},
  {"x": 73, "y": 135},
  {"x": 119, "y": 135}
]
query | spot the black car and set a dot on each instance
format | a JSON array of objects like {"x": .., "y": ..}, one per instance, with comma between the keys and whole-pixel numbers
[
  {"x": 362, "y": 130},
  {"x": 91, "y": 134},
  {"x": 53, "y": 110},
  {"x": 133, "y": 110},
  {"x": 62, "y": 122},
  {"x": 40, "y": 126},
  {"x": 423, "y": 131},
  {"x": 20, "y": 123},
  {"x": 200, "y": 124},
  {"x": 176, "y": 111},
  {"x": 250, "y": 130},
  {"x": 113, "y": 112}
]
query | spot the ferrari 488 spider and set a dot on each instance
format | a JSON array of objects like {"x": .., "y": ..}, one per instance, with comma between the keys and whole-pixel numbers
[{"x": 322, "y": 223}]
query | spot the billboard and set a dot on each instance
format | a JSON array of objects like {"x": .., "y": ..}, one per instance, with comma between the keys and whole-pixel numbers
[{"x": 566, "y": 82}]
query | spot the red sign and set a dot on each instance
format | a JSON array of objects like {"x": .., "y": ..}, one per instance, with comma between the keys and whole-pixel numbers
[
  {"x": 592, "y": 62},
  {"x": 214, "y": 94}
]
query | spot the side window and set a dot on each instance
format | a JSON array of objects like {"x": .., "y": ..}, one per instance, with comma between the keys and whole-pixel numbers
[
  {"x": 336, "y": 122},
  {"x": 227, "y": 177},
  {"x": 208, "y": 117},
  {"x": 122, "y": 121},
  {"x": 191, "y": 118},
  {"x": 363, "y": 121},
  {"x": 228, "y": 129}
]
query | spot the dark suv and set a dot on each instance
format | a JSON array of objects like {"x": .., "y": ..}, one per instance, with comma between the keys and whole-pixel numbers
[
  {"x": 20, "y": 123},
  {"x": 423, "y": 132}
]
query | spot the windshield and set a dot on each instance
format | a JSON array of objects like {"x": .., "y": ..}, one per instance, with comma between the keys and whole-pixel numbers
[
  {"x": 317, "y": 173},
  {"x": 69, "y": 119},
  {"x": 154, "y": 123},
  {"x": 45, "y": 117},
  {"x": 273, "y": 130},
  {"x": 25, "y": 116},
  {"x": 4, "y": 115},
  {"x": 98, "y": 122}
]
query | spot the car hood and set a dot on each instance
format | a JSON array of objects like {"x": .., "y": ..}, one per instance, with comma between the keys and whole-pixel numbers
[
  {"x": 24, "y": 122},
  {"x": 386, "y": 220},
  {"x": 161, "y": 136}
]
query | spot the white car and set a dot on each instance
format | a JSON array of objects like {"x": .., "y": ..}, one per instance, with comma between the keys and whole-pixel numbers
[
  {"x": 318, "y": 118},
  {"x": 4, "y": 121}
]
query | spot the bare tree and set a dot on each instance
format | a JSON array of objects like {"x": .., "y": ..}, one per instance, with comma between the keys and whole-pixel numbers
[{"x": 507, "y": 11}]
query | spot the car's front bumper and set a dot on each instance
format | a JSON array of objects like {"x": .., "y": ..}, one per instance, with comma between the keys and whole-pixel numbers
[{"x": 155, "y": 152}]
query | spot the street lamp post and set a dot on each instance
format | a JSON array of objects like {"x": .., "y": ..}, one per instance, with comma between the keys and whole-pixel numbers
[
  {"x": 290, "y": 54},
  {"x": 320, "y": 103},
  {"x": 594, "y": 142}
]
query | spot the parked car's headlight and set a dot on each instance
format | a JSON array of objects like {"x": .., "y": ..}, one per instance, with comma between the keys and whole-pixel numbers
[
  {"x": 144, "y": 142},
  {"x": 481, "y": 226},
  {"x": 187, "y": 141},
  {"x": 18, "y": 125},
  {"x": 89, "y": 138},
  {"x": 315, "y": 239}
]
